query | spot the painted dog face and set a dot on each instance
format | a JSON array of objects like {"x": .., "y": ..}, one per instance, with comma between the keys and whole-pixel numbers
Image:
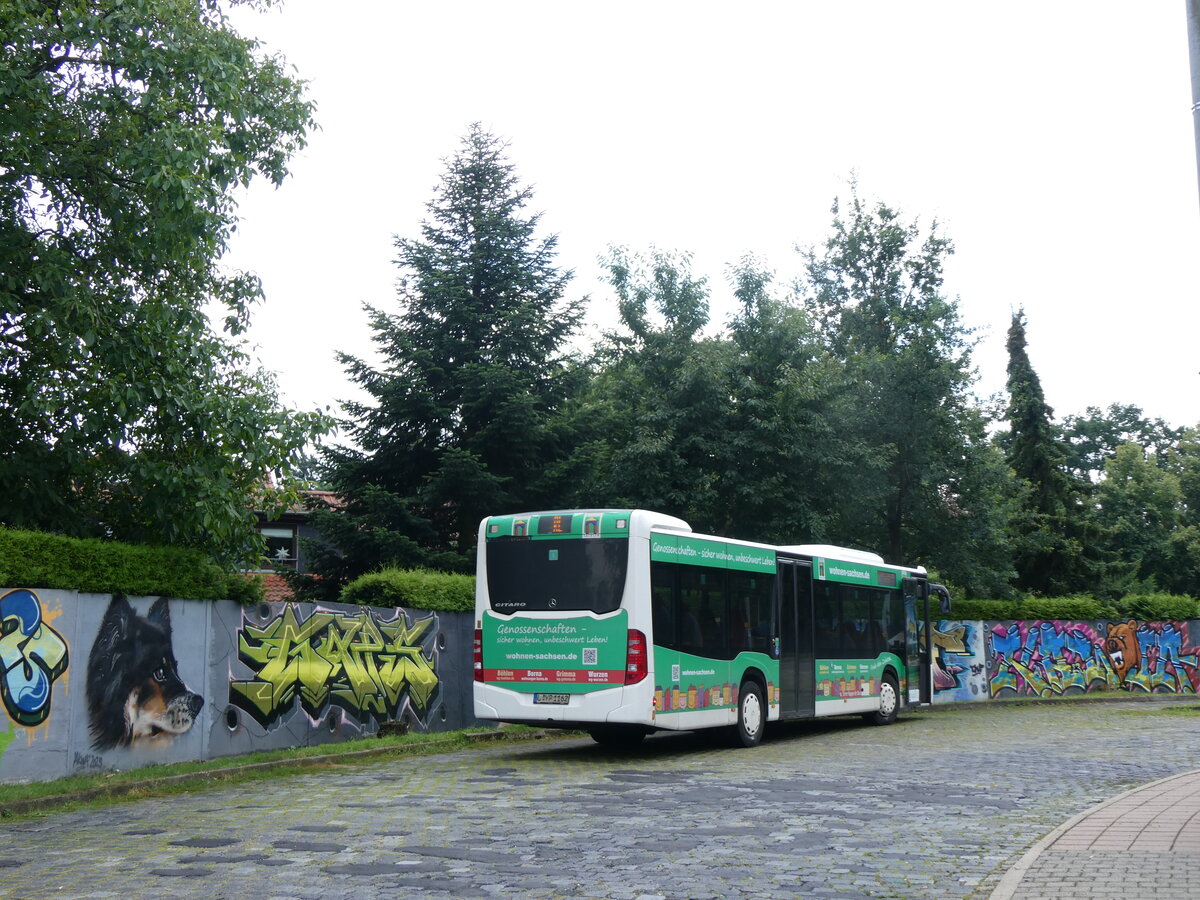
[{"x": 134, "y": 691}]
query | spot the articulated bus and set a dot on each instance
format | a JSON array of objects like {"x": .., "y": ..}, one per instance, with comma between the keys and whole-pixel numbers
[{"x": 624, "y": 622}]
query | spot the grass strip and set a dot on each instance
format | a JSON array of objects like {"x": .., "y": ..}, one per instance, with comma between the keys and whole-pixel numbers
[{"x": 159, "y": 780}]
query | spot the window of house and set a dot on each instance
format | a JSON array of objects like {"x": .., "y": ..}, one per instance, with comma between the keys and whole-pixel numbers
[{"x": 281, "y": 548}]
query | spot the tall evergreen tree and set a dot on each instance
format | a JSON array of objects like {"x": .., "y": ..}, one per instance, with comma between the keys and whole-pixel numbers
[
  {"x": 1051, "y": 552},
  {"x": 462, "y": 421}
]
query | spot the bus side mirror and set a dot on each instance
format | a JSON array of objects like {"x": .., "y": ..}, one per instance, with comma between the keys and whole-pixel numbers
[{"x": 943, "y": 597}]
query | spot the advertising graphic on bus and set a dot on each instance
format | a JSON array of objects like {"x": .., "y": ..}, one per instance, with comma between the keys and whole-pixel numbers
[{"x": 624, "y": 622}]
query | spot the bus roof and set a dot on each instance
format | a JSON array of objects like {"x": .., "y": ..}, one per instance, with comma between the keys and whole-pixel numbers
[{"x": 862, "y": 556}]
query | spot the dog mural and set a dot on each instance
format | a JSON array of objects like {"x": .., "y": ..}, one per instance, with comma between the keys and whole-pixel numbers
[{"x": 134, "y": 693}]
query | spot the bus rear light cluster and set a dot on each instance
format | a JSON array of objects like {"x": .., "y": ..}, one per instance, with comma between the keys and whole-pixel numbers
[
  {"x": 636, "y": 657},
  {"x": 478, "y": 654}
]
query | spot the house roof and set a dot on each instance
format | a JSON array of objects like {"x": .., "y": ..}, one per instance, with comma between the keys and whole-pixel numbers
[{"x": 275, "y": 588}]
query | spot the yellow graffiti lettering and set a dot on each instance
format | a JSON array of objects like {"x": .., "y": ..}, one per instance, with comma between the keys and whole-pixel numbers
[
  {"x": 952, "y": 640},
  {"x": 356, "y": 662}
]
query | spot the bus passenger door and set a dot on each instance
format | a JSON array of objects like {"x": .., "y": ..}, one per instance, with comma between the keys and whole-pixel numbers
[
  {"x": 796, "y": 663},
  {"x": 916, "y": 613}
]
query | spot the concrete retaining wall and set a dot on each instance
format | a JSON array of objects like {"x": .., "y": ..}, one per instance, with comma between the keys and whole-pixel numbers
[{"x": 90, "y": 682}]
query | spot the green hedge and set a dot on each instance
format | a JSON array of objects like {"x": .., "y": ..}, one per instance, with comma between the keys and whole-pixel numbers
[
  {"x": 31, "y": 559},
  {"x": 1145, "y": 607},
  {"x": 985, "y": 610},
  {"x": 1156, "y": 607},
  {"x": 413, "y": 589}
]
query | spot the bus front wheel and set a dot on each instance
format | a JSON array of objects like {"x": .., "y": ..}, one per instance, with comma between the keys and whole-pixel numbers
[
  {"x": 752, "y": 714},
  {"x": 889, "y": 702}
]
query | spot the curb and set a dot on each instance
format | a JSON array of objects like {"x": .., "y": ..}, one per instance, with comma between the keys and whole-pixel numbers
[
  {"x": 1013, "y": 877},
  {"x": 38, "y": 804}
]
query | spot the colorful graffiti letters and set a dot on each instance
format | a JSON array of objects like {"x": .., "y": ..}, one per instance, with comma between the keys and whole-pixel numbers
[
  {"x": 959, "y": 663},
  {"x": 1047, "y": 658},
  {"x": 358, "y": 662},
  {"x": 32, "y": 656}
]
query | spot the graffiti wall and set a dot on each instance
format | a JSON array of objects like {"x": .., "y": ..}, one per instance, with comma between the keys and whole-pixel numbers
[
  {"x": 95, "y": 683},
  {"x": 1052, "y": 658},
  {"x": 960, "y": 671}
]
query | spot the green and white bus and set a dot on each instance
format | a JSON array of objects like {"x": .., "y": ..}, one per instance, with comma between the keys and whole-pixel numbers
[{"x": 624, "y": 622}]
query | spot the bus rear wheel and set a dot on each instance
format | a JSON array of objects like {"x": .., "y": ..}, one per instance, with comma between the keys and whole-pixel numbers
[
  {"x": 752, "y": 714},
  {"x": 889, "y": 703}
]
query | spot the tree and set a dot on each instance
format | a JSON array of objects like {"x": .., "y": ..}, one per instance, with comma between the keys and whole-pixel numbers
[
  {"x": 781, "y": 455},
  {"x": 876, "y": 293},
  {"x": 1052, "y": 553},
  {"x": 1139, "y": 505},
  {"x": 1059, "y": 545},
  {"x": 124, "y": 131},
  {"x": 1184, "y": 463},
  {"x": 1093, "y": 438},
  {"x": 658, "y": 397},
  {"x": 464, "y": 410}
]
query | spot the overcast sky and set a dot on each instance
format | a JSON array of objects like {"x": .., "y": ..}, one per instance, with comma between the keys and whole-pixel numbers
[{"x": 1053, "y": 142}]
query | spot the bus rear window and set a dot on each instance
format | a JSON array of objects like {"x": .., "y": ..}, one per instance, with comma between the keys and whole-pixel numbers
[{"x": 554, "y": 575}]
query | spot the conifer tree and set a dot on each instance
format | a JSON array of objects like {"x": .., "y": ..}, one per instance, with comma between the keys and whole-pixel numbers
[
  {"x": 461, "y": 421},
  {"x": 1051, "y": 554}
]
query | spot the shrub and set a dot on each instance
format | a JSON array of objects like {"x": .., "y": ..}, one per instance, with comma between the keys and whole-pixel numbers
[
  {"x": 413, "y": 589},
  {"x": 985, "y": 610},
  {"x": 1080, "y": 606},
  {"x": 1159, "y": 607},
  {"x": 33, "y": 559},
  {"x": 245, "y": 589}
]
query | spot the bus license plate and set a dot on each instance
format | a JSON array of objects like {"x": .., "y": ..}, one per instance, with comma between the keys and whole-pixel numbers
[{"x": 555, "y": 699}]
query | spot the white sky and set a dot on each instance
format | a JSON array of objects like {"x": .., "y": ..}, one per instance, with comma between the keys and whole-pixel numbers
[{"x": 1052, "y": 141}]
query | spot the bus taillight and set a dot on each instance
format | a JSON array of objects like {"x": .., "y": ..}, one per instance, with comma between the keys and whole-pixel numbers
[
  {"x": 478, "y": 655},
  {"x": 636, "y": 660}
]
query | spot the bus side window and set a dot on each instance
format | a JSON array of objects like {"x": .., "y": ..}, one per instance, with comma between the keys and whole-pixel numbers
[
  {"x": 827, "y": 616},
  {"x": 856, "y": 632},
  {"x": 877, "y": 625},
  {"x": 713, "y": 614},
  {"x": 690, "y": 637},
  {"x": 894, "y": 622},
  {"x": 750, "y": 611},
  {"x": 662, "y": 602}
]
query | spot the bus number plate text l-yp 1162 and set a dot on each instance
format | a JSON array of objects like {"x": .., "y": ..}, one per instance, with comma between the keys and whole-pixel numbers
[{"x": 554, "y": 699}]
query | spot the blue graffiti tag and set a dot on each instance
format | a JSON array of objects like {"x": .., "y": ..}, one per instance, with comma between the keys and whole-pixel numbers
[{"x": 32, "y": 656}]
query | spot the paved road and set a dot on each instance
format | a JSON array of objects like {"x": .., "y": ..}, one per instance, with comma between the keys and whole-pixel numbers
[{"x": 937, "y": 806}]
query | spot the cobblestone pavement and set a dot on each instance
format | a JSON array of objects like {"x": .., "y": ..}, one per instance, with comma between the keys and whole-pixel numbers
[{"x": 935, "y": 806}]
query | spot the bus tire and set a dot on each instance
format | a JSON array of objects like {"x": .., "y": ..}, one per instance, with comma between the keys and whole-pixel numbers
[
  {"x": 752, "y": 714},
  {"x": 889, "y": 702},
  {"x": 616, "y": 737}
]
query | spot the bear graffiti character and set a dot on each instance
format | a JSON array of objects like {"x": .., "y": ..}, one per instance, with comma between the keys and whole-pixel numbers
[{"x": 1122, "y": 648}]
